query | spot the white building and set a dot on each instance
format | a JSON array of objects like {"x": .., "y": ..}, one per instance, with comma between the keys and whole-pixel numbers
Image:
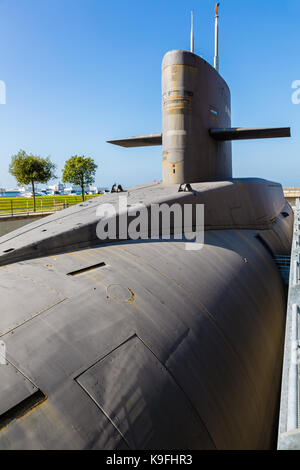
[
  {"x": 57, "y": 187},
  {"x": 94, "y": 190},
  {"x": 73, "y": 189}
]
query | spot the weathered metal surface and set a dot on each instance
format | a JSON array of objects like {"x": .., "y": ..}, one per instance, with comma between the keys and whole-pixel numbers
[
  {"x": 14, "y": 388},
  {"x": 212, "y": 323},
  {"x": 204, "y": 321},
  {"x": 195, "y": 98},
  {"x": 235, "y": 204},
  {"x": 142, "y": 414},
  {"x": 289, "y": 425}
]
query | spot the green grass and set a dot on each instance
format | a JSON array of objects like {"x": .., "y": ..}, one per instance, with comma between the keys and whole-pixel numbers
[{"x": 21, "y": 205}]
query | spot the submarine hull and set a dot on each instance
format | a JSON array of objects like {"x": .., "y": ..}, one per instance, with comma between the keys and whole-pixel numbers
[{"x": 143, "y": 344}]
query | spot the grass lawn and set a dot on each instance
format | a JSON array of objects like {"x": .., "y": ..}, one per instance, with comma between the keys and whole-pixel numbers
[{"x": 21, "y": 205}]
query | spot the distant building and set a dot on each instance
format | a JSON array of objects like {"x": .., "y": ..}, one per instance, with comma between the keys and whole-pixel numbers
[
  {"x": 95, "y": 190},
  {"x": 60, "y": 187},
  {"x": 73, "y": 190}
]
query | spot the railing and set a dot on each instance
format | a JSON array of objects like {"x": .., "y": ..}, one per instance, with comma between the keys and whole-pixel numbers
[
  {"x": 289, "y": 423},
  {"x": 283, "y": 262},
  {"x": 19, "y": 206}
]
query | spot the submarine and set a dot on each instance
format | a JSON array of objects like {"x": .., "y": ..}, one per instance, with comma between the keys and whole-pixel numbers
[{"x": 123, "y": 344}]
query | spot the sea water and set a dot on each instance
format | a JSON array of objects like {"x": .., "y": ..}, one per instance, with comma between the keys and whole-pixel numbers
[{"x": 10, "y": 194}]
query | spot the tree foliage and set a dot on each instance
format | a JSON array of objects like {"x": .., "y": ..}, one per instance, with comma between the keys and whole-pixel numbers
[
  {"x": 31, "y": 169},
  {"x": 80, "y": 171}
]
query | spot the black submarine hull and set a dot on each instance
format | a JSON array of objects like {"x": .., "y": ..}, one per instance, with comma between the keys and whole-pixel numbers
[{"x": 145, "y": 345}]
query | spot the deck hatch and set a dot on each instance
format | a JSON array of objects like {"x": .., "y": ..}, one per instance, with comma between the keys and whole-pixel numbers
[
  {"x": 18, "y": 394},
  {"x": 22, "y": 408},
  {"x": 140, "y": 398}
]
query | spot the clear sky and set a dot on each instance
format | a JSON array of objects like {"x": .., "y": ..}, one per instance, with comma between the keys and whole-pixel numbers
[{"x": 80, "y": 72}]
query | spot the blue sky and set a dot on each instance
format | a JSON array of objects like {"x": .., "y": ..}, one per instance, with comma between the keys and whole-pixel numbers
[{"x": 81, "y": 72}]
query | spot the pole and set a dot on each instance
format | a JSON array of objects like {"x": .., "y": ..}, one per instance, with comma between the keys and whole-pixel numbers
[
  {"x": 192, "y": 32},
  {"x": 216, "y": 60}
]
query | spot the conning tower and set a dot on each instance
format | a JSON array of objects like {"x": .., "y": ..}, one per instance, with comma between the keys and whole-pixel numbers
[
  {"x": 196, "y": 119},
  {"x": 195, "y": 98}
]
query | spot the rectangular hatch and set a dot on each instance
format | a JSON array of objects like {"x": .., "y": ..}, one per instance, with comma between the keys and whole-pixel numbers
[{"x": 18, "y": 395}]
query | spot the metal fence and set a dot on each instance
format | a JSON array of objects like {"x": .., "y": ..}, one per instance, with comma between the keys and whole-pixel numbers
[
  {"x": 11, "y": 207},
  {"x": 283, "y": 262},
  {"x": 289, "y": 423}
]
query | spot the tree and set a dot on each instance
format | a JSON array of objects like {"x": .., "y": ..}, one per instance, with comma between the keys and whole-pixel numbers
[
  {"x": 31, "y": 169},
  {"x": 80, "y": 170}
]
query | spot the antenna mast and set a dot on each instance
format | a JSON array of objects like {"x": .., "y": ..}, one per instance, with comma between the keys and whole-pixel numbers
[
  {"x": 192, "y": 31},
  {"x": 216, "y": 61}
]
